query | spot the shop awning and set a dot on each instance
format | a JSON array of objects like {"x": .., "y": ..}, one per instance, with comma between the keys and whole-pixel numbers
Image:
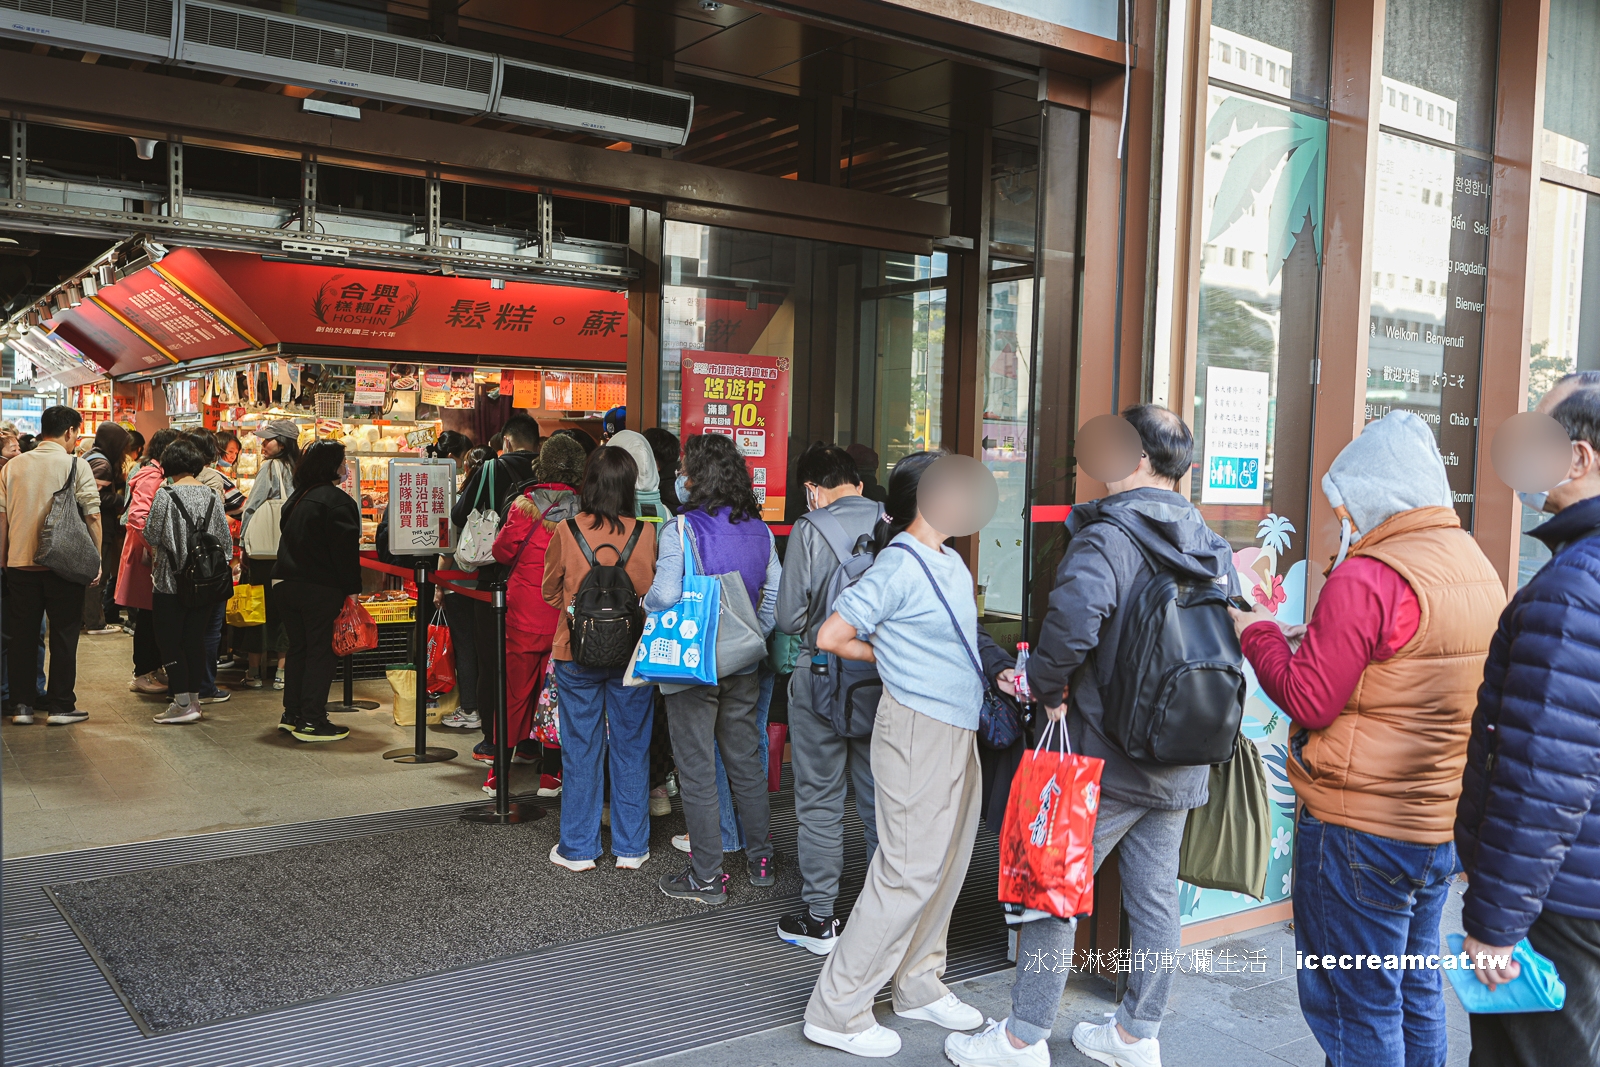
[{"x": 201, "y": 304}]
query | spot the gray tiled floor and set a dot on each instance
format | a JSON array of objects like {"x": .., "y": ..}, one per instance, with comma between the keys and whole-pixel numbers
[
  {"x": 1213, "y": 1020},
  {"x": 119, "y": 777}
]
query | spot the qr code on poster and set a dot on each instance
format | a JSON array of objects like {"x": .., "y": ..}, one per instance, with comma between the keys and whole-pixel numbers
[{"x": 758, "y": 476}]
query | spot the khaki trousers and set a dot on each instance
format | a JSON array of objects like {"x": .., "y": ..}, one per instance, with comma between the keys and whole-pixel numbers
[{"x": 928, "y": 801}]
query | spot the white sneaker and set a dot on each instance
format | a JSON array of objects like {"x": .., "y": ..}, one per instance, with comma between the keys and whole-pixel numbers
[
  {"x": 991, "y": 1047},
  {"x": 277, "y": 679},
  {"x": 1104, "y": 1045},
  {"x": 631, "y": 863},
  {"x": 22, "y": 715},
  {"x": 681, "y": 843},
  {"x": 949, "y": 1011},
  {"x": 176, "y": 714},
  {"x": 877, "y": 1043},
  {"x": 462, "y": 720},
  {"x": 660, "y": 803},
  {"x": 572, "y": 865}
]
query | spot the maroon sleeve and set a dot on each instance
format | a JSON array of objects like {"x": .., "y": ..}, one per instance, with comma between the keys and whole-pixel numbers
[{"x": 1366, "y": 612}]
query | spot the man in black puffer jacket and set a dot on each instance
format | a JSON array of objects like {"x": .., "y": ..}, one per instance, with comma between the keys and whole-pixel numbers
[{"x": 1528, "y": 822}]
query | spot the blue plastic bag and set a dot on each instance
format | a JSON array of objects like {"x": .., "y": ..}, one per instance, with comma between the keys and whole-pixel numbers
[
  {"x": 679, "y": 645},
  {"x": 1537, "y": 988}
]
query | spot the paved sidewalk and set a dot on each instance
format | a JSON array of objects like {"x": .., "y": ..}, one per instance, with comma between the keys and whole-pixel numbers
[{"x": 1214, "y": 1020}]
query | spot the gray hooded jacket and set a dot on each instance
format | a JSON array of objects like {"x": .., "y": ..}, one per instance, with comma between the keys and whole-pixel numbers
[{"x": 1076, "y": 650}]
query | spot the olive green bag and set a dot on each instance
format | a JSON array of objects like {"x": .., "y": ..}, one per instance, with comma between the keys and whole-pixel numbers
[{"x": 1227, "y": 843}]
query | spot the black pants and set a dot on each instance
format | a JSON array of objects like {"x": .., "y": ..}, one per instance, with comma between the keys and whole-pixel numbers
[
  {"x": 488, "y": 653},
  {"x": 110, "y": 566},
  {"x": 31, "y": 597},
  {"x": 146, "y": 651},
  {"x": 1543, "y": 1039},
  {"x": 701, "y": 719},
  {"x": 181, "y": 633},
  {"x": 460, "y": 616},
  {"x": 308, "y": 612}
]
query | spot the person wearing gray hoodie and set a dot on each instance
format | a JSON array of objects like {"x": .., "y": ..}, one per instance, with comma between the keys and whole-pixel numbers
[{"x": 1143, "y": 805}]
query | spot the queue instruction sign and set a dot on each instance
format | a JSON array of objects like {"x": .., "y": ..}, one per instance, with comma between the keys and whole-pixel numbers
[{"x": 421, "y": 494}]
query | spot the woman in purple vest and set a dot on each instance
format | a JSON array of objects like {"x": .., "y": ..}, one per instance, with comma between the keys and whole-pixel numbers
[{"x": 723, "y": 528}]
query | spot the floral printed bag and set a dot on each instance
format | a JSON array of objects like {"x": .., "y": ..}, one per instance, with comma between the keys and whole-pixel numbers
[{"x": 546, "y": 712}]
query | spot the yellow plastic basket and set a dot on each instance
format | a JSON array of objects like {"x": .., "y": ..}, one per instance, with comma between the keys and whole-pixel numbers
[{"x": 386, "y": 611}]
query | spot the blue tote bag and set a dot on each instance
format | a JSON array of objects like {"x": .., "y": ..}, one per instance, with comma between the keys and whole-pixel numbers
[{"x": 679, "y": 644}]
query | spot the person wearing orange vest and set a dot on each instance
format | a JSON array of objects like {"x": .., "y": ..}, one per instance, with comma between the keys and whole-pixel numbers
[{"x": 1381, "y": 690}]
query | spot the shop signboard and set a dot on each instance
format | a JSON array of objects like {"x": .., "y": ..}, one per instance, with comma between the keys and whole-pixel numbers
[
  {"x": 421, "y": 494},
  {"x": 352, "y": 307},
  {"x": 1237, "y": 410},
  {"x": 746, "y": 398}
]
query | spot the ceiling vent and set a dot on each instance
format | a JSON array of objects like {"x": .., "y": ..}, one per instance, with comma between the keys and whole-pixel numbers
[
  {"x": 548, "y": 96},
  {"x": 296, "y": 51},
  {"x": 138, "y": 29}
]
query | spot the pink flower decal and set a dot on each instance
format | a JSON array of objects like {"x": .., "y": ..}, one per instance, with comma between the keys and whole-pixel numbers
[{"x": 1273, "y": 599}]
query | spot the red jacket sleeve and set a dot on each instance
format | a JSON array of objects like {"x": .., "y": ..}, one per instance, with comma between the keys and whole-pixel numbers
[{"x": 1366, "y": 612}]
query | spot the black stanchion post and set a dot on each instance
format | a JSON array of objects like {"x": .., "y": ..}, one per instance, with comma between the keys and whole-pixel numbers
[
  {"x": 421, "y": 753},
  {"x": 503, "y": 810},
  {"x": 350, "y": 701}
]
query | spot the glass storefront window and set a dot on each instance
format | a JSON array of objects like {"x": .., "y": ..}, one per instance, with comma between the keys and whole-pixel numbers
[
  {"x": 1013, "y": 185},
  {"x": 1276, "y": 47},
  {"x": 1430, "y": 247},
  {"x": 1007, "y": 389},
  {"x": 1565, "y": 334},
  {"x": 1441, "y": 53},
  {"x": 822, "y": 342},
  {"x": 1259, "y": 280},
  {"x": 1571, "y": 119}
]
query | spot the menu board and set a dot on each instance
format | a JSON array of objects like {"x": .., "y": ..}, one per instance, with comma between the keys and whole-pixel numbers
[
  {"x": 558, "y": 390},
  {"x": 525, "y": 385},
  {"x": 583, "y": 391},
  {"x": 746, "y": 398},
  {"x": 612, "y": 391}
]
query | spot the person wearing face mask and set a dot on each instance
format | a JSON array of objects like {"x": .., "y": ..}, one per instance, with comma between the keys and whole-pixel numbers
[
  {"x": 1380, "y": 692},
  {"x": 836, "y": 512},
  {"x": 1527, "y": 827},
  {"x": 928, "y": 781}
]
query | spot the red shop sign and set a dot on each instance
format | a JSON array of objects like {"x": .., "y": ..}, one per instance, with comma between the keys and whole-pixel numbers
[
  {"x": 354, "y": 307},
  {"x": 746, "y": 398}
]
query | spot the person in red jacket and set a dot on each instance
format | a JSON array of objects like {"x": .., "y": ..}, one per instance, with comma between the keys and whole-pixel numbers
[{"x": 530, "y": 622}]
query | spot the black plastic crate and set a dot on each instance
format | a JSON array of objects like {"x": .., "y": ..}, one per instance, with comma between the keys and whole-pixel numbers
[{"x": 394, "y": 646}]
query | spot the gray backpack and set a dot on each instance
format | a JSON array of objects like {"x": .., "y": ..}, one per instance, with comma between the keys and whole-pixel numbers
[
  {"x": 64, "y": 543},
  {"x": 845, "y": 692}
]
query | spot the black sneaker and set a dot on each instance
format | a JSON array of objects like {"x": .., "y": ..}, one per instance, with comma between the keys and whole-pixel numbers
[
  {"x": 483, "y": 752},
  {"x": 809, "y": 932},
  {"x": 318, "y": 731},
  {"x": 527, "y": 752},
  {"x": 763, "y": 872},
  {"x": 286, "y": 723},
  {"x": 684, "y": 886}
]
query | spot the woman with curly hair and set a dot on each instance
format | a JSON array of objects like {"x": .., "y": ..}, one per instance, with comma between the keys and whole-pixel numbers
[{"x": 721, "y": 524}]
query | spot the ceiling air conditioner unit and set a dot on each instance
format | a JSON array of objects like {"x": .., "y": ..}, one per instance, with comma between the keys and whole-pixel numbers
[
  {"x": 564, "y": 99},
  {"x": 297, "y": 51},
  {"x": 138, "y": 29}
]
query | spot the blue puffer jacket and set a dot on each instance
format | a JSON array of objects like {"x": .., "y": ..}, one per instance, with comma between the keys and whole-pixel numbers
[{"x": 1528, "y": 823}]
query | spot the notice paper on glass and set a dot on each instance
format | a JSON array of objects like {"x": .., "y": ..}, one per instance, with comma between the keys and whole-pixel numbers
[
  {"x": 421, "y": 494},
  {"x": 371, "y": 385},
  {"x": 1237, "y": 409}
]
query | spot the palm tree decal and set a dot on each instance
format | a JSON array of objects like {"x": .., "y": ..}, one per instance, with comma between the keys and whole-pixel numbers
[
  {"x": 1300, "y": 143},
  {"x": 1276, "y": 530}
]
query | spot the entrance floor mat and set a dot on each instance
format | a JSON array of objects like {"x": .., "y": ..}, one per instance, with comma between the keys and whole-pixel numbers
[{"x": 199, "y": 942}]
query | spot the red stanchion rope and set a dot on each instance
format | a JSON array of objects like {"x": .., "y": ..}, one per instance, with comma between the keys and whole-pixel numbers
[{"x": 440, "y": 578}]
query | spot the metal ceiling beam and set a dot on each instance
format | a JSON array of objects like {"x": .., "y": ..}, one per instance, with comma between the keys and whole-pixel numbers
[{"x": 117, "y": 100}]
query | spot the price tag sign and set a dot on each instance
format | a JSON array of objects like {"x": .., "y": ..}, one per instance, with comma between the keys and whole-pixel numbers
[{"x": 421, "y": 494}]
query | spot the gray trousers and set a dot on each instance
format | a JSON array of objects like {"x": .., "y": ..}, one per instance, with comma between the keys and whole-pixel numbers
[
  {"x": 821, "y": 758},
  {"x": 702, "y": 719},
  {"x": 1148, "y": 864}
]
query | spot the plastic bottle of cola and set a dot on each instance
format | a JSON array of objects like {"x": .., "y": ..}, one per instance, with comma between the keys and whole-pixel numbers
[{"x": 1024, "y": 693}]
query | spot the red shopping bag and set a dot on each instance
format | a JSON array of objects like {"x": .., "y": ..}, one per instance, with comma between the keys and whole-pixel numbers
[
  {"x": 1047, "y": 840},
  {"x": 441, "y": 657},
  {"x": 354, "y": 631}
]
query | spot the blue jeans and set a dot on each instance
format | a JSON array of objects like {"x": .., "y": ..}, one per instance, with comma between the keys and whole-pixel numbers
[
  {"x": 1358, "y": 895},
  {"x": 598, "y": 713},
  {"x": 732, "y": 828}
]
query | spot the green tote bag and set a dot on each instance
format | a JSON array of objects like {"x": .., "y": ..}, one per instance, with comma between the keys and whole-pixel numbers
[{"x": 1227, "y": 843}]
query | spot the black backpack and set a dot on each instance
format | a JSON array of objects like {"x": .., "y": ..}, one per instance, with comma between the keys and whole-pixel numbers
[
  {"x": 206, "y": 577},
  {"x": 1176, "y": 692},
  {"x": 605, "y": 618},
  {"x": 845, "y": 692}
]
